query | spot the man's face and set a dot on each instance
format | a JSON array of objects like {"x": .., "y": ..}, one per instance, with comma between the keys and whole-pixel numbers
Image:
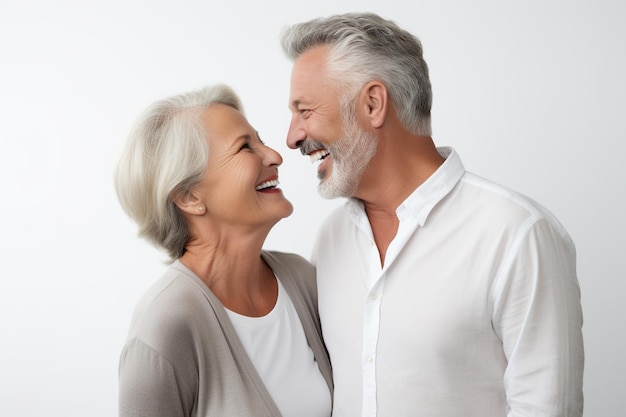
[{"x": 325, "y": 129}]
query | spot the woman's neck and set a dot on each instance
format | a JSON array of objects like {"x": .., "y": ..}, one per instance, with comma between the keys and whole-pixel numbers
[{"x": 233, "y": 269}]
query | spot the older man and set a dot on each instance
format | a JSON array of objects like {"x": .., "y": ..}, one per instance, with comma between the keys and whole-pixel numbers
[{"x": 440, "y": 293}]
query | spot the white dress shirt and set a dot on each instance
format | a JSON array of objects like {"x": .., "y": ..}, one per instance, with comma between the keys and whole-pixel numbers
[{"x": 476, "y": 312}]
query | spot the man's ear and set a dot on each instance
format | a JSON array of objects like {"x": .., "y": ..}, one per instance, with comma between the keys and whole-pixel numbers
[
  {"x": 188, "y": 202},
  {"x": 377, "y": 102}
]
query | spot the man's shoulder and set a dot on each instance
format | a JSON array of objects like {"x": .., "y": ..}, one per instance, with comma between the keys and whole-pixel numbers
[
  {"x": 340, "y": 214},
  {"x": 502, "y": 206},
  {"x": 493, "y": 195}
]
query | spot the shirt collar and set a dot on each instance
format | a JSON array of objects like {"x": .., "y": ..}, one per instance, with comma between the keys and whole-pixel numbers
[{"x": 422, "y": 200}]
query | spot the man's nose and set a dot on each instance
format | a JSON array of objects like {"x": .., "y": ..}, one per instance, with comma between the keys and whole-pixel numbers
[{"x": 296, "y": 133}]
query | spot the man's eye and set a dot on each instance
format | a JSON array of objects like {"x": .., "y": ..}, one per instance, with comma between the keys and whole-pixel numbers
[{"x": 244, "y": 146}]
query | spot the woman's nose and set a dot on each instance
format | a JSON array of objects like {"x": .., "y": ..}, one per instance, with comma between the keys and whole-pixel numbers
[{"x": 272, "y": 157}]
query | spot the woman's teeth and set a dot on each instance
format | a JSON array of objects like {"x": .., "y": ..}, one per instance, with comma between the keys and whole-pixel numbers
[{"x": 267, "y": 184}]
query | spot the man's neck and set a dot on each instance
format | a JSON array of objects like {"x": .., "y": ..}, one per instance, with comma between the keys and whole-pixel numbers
[{"x": 396, "y": 171}]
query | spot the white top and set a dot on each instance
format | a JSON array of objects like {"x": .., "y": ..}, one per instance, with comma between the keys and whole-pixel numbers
[
  {"x": 476, "y": 311},
  {"x": 277, "y": 346}
]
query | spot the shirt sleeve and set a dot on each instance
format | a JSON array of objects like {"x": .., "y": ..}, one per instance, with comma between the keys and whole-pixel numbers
[
  {"x": 538, "y": 316},
  {"x": 149, "y": 385}
]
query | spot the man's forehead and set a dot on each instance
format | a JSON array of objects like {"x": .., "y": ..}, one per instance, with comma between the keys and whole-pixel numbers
[{"x": 313, "y": 59}]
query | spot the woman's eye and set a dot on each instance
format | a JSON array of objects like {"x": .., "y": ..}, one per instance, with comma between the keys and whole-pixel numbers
[{"x": 244, "y": 146}]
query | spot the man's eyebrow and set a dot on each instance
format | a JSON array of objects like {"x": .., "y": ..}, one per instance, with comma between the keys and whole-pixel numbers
[{"x": 294, "y": 103}]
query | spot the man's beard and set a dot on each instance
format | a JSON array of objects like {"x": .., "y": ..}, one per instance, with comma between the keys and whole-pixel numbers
[{"x": 351, "y": 153}]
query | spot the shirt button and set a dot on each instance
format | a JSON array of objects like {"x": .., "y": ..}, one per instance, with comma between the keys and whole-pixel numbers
[
  {"x": 370, "y": 359},
  {"x": 373, "y": 296}
]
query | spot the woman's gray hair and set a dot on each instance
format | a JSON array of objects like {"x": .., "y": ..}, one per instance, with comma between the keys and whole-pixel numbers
[
  {"x": 166, "y": 154},
  {"x": 366, "y": 47}
]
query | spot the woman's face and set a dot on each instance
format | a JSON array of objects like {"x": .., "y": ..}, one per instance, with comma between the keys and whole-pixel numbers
[{"x": 240, "y": 185}]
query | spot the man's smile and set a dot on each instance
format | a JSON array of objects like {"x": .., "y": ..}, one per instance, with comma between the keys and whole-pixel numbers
[{"x": 318, "y": 155}]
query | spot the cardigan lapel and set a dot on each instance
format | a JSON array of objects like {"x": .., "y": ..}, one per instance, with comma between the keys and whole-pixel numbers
[{"x": 249, "y": 374}]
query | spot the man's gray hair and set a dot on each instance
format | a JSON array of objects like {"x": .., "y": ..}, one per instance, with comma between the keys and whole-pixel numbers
[
  {"x": 166, "y": 154},
  {"x": 366, "y": 47}
]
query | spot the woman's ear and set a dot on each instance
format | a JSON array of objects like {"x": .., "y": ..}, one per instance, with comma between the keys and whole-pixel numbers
[
  {"x": 188, "y": 202},
  {"x": 377, "y": 101}
]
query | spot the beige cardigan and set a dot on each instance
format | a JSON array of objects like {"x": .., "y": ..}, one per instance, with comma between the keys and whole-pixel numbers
[{"x": 183, "y": 356}]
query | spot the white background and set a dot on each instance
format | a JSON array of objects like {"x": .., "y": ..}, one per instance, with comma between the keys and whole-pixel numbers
[{"x": 531, "y": 94}]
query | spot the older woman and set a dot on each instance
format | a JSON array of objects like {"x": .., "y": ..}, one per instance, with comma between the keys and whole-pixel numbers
[{"x": 229, "y": 329}]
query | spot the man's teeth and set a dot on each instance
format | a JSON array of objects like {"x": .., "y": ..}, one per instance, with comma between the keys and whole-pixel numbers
[
  {"x": 267, "y": 184},
  {"x": 317, "y": 155}
]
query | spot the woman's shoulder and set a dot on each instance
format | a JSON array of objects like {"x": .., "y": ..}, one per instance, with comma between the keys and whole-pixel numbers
[
  {"x": 294, "y": 271},
  {"x": 170, "y": 309},
  {"x": 285, "y": 255},
  {"x": 294, "y": 263}
]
